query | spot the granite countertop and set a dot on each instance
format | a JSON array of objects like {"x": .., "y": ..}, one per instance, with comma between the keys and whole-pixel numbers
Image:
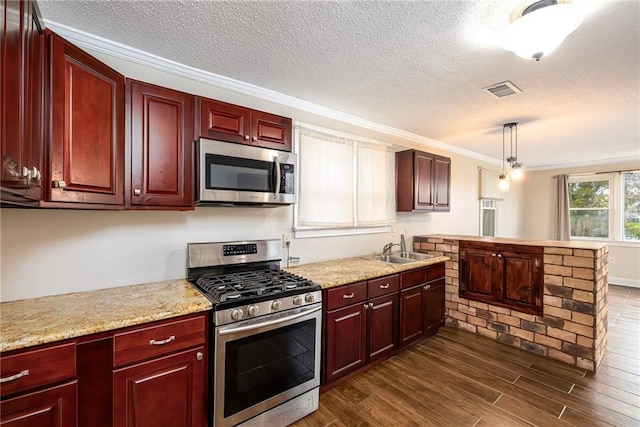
[
  {"x": 35, "y": 321},
  {"x": 555, "y": 243},
  {"x": 349, "y": 270}
]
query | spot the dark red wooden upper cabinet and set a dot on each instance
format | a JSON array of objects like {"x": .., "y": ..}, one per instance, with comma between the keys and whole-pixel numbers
[
  {"x": 87, "y": 127},
  {"x": 162, "y": 135},
  {"x": 422, "y": 182},
  {"x": 232, "y": 123},
  {"x": 22, "y": 103}
]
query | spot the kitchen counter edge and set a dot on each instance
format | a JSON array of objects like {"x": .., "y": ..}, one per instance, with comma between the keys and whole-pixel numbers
[
  {"x": 332, "y": 273},
  {"x": 35, "y": 321}
]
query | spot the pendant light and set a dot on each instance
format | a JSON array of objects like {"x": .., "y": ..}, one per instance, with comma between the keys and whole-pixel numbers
[
  {"x": 512, "y": 160},
  {"x": 540, "y": 28},
  {"x": 503, "y": 182}
]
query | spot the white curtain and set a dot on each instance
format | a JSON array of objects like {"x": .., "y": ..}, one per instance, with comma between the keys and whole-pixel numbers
[
  {"x": 562, "y": 223},
  {"x": 376, "y": 202},
  {"x": 344, "y": 182}
]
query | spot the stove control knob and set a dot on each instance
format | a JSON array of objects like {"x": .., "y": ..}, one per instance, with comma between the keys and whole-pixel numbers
[
  {"x": 253, "y": 310},
  {"x": 276, "y": 305},
  {"x": 297, "y": 300},
  {"x": 236, "y": 314},
  {"x": 309, "y": 298}
]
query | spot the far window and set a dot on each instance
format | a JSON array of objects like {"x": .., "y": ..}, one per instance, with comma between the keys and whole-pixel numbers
[
  {"x": 605, "y": 206},
  {"x": 488, "y": 217},
  {"x": 631, "y": 197},
  {"x": 589, "y": 207}
]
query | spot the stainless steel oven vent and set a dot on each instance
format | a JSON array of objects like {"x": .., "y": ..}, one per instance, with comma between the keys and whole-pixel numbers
[{"x": 500, "y": 90}]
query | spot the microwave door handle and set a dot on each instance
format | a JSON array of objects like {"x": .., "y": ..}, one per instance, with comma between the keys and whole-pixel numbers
[{"x": 276, "y": 193}]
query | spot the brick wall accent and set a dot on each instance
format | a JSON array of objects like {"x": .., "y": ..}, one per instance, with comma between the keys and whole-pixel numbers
[{"x": 573, "y": 327}]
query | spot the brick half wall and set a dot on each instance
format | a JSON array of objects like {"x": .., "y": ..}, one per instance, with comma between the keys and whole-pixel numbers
[{"x": 573, "y": 328}]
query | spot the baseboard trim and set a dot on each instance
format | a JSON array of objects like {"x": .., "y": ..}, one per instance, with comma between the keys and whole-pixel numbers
[{"x": 624, "y": 282}]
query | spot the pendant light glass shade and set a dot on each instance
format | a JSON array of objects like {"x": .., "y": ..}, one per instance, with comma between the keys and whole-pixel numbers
[
  {"x": 540, "y": 32},
  {"x": 503, "y": 183}
]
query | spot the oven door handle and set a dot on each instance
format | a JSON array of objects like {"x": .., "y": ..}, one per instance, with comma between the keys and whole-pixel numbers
[{"x": 268, "y": 322}]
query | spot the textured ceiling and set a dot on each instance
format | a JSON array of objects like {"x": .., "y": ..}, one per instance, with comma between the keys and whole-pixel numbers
[{"x": 418, "y": 66}]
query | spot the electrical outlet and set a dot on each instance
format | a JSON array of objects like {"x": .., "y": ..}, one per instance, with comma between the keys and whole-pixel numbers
[
  {"x": 612, "y": 260},
  {"x": 407, "y": 231},
  {"x": 286, "y": 238}
]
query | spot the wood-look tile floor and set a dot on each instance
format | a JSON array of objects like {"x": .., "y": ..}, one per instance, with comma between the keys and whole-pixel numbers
[{"x": 460, "y": 379}]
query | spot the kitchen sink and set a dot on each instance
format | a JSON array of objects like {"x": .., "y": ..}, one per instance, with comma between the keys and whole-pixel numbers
[
  {"x": 400, "y": 257},
  {"x": 391, "y": 259}
]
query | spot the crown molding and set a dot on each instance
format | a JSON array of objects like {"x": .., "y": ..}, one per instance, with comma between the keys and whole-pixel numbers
[{"x": 119, "y": 50}]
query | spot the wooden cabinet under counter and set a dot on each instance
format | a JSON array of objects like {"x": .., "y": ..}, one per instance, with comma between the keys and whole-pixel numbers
[{"x": 39, "y": 387}]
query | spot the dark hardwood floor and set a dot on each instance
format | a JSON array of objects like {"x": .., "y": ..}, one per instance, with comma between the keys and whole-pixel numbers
[{"x": 460, "y": 379}]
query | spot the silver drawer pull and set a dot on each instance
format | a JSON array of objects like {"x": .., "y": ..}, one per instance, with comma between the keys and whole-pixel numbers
[
  {"x": 167, "y": 341},
  {"x": 14, "y": 377},
  {"x": 384, "y": 286},
  {"x": 351, "y": 295}
]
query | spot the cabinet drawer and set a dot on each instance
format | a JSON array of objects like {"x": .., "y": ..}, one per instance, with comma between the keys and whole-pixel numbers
[
  {"x": 434, "y": 272},
  {"x": 383, "y": 286},
  {"x": 36, "y": 368},
  {"x": 412, "y": 278},
  {"x": 346, "y": 295},
  {"x": 157, "y": 340}
]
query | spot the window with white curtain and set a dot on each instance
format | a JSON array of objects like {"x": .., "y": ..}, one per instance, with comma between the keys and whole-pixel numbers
[{"x": 344, "y": 182}]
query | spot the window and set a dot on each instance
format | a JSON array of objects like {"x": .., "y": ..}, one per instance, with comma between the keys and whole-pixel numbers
[
  {"x": 605, "y": 206},
  {"x": 343, "y": 182},
  {"x": 488, "y": 217},
  {"x": 631, "y": 197},
  {"x": 589, "y": 207}
]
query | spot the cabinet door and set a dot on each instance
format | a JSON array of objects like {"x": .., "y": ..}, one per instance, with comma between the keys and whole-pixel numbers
[
  {"x": 270, "y": 131},
  {"x": 411, "y": 315},
  {"x": 522, "y": 281},
  {"x": 441, "y": 183},
  {"x": 87, "y": 128},
  {"x": 383, "y": 326},
  {"x": 434, "y": 306},
  {"x": 21, "y": 106},
  {"x": 423, "y": 185},
  {"x": 225, "y": 122},
  {"x": 168, "y": 391},
  {"x": 480, "y": 276},
  {"x": 51, "y": 407},
  {"x": 162, "y": 126},
  {"x": 346, "y": 333}
]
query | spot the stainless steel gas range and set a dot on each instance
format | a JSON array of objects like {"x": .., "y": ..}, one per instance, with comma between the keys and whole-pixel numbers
[{"x": 266, "y": 333}]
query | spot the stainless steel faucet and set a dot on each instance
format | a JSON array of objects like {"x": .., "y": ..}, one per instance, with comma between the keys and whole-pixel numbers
[
  {"x": 386, "y": 250},
  {"x": 403, "y": 245}
]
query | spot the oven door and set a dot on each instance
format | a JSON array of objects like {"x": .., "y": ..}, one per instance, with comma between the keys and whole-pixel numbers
[
  {"x": 235, "y": 173},
  {"x": 261, "y": 363}
]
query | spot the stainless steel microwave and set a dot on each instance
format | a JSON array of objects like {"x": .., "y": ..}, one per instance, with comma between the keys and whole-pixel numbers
[{"x": 236, "y": 174}]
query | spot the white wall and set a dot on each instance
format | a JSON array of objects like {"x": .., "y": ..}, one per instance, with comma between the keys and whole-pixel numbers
[{"x": 538, "y": 218}]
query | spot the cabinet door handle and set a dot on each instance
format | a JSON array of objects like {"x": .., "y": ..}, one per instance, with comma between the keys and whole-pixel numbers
[
  {"x": 366, "y": 305},
  {"x": 137, "y": 192},
  {"x": 254, "y": 138},
  {"x": 162, "y": 342},
  {"x": 370, "y": 305},
  {"x": 199, "y": 356},
  {"x": 384, "y": 286},
  {"x": 246, "y": 137},
  {"x": 493, "y": 254},
  {"x": 349, "y": 296},
  {"x": 427, "y": 287},
  {"x": 14, "y": 377},
  {"x": 499, "y": 255},
  {"x": 26, "y": 172},
  {"x": 59, "y": 184}
]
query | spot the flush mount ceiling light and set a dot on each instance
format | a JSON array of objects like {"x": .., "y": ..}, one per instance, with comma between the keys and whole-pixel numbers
[{"x": 540, "y": 27}]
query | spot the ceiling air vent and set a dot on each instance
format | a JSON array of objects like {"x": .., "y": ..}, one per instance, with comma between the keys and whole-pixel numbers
[{"x": 500, "y": 90}]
